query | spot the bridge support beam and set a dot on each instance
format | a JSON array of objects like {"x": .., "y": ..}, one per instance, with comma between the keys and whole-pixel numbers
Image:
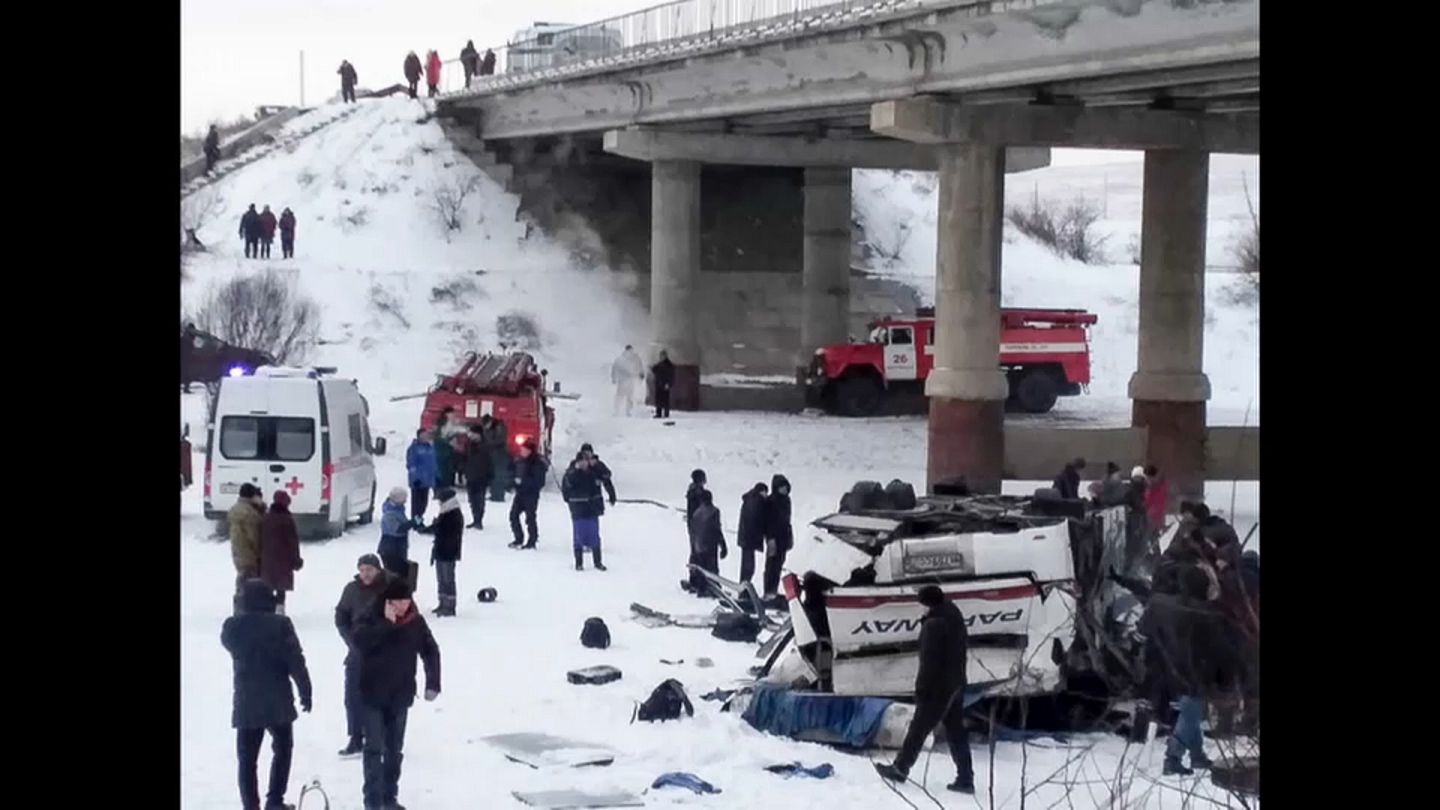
[
  {"x": 966, "y": 389},
  {"x": 825, "y": 280},
  {"x": 1169, "y": 388},
  {"x": 675, "y": 274}
]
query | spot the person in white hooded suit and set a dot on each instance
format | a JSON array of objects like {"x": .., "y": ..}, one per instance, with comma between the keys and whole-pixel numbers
[{"x": 627, "y": 373}]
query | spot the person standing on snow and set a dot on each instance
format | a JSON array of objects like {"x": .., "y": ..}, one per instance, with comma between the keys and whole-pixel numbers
[
  {"x": 412, "y": 73},
  {"x": 267, "y": 657},
  {"x": 529, "y": 480},
  {"x": 663, "y": 372},
  {"x": 693, "y": 494},
  {"x": 279, "y": 549},
  {"x": 432, "y": 73},
  {"x": 581, "y": 489},
  {"x": 250, "y": 232},
  {"x": 449, "y": 528},
  {"x": 779, "y": 534},
  {"x": 287, "y": 234},
  {"x": 358, "y": 599},
  {"x": 444, "y": 432},
  {"x": 751, "y": 537},
  {"x": 1157, "y": 503},
  {"x": 627, "y": 373},
  {"x": 347, "y": 81},
  {"x": 424, "y": 472},
  {"x": 707, "y": 542},
  {"x": 245, "y": 519},
  {"x": 479, "y": 470},
  {"x": 389, "y": 640},
  {"x": 1067, "y": 483},
  {"x": 602, "y": 472},
  {"x": 212, "y": 148},
  {"x": 395, "y": 528},
  {"x": 267, "y": 232},
  {"x": 939, "y": 692},
  {"x": 497, "y": 440},
  {"x": 487, "y": 63},
  {"x": 470, "y": 61}
]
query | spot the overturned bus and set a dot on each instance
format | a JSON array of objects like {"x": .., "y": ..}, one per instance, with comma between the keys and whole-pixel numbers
[{"x": 1030, "y": 576}]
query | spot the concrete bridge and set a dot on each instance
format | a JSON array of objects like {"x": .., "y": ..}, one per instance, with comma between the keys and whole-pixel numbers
[{"x": 697, "y": 143}]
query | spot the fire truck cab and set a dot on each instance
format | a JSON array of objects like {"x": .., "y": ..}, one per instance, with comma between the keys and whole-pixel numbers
[{"x": 1045, "y": 354}]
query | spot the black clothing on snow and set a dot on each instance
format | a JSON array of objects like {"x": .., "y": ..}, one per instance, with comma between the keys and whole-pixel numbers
[
  {"x": 388, "y": 651},
  {"x": 267, "y": 656},
  {"x": 248, "y": 742}
]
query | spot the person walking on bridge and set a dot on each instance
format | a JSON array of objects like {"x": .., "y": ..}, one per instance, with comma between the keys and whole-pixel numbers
[
  {"x": 470, "y": 61},
  {"x": 432, "y": 73},
  {"x": 412, "y": 73},
  {"x": 487, "y": 63},
  {"x": 347, "y": 81}
]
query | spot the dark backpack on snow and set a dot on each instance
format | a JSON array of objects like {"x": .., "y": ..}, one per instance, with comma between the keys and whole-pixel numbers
[
  {"x": 665, "y": 703},
  {"x": 736, "y": 627},
  {"x": 595, "y": 634}
]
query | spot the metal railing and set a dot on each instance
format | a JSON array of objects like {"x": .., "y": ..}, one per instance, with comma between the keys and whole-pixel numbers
[{"x": 671, "y": 29}]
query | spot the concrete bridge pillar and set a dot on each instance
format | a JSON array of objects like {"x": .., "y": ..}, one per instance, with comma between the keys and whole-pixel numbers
[
  {"x": 825, "y": 285},
  {"x": 675, "y": 274},
  {"x": 1169, "y": 389},
  {"x": 966, "y": 388}
]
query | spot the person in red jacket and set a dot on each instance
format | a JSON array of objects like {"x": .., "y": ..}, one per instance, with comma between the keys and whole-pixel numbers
[
  {"x": 1157, "y": 496},
  {"x": 287, "y": 233},
  {"x": 432, "y": 73},
  {"x": 279, "y": 548},
  {"x": 267, "y": 231}
]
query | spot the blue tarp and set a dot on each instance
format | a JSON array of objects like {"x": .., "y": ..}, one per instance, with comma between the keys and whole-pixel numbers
[
  {"x": 780, "y": 711},
  {"x": 688, "y": 781},
  {"x": 822, "y": 771}
]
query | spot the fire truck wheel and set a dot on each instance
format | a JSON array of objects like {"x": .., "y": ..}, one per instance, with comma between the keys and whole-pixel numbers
[
  {"x": 858, "y": 396},
  {"x": 1036, "y": 392}
]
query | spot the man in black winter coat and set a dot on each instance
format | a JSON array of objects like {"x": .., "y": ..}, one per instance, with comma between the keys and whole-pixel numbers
[
  {"x": 412, "y": 73},
  {"x": 250, "y": 232},
  {"x": 389, "y": 641},
  {"x": 359, "y": 599},
  {"x": 663, "y": 372},
  {"x": 779, "y": 534},
  {"x": 751, "y": 537},
  {"x": 1186, "y": 651},
  {"x": 693, "y": 494},
  {"x": 1067, "y": 483},
  {"x": 707, "y": 542},
  {"x": 602, "y": 472},
  {"x": 529, "y": 480},
  {"x": 449, "y": 529},
  {"x": 581, "y": 489},
  {"x": 212, "y": 148},
  {"x": 479, "y": 470},
  {"x": 348, "y": 78},
  {"x": 267, "y": 657},
  {"x": 939, "y": 692}
]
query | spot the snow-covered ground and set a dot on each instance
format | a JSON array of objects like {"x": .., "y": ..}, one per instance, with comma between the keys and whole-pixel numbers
[{"x": 396, "y": 306}]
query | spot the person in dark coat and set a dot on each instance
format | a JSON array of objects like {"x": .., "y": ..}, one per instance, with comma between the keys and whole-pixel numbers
[
  {"x": 212, "y": 148},
  {"x": 250, "y": 232},
  {"x": 267, "y": 231},
  {"x": 779, "y": 534},
  {"x": 287, "y": 234},
  {"x": 529, "y": 480},
  {"x": 279, "y": 549},
  {"x": 751, "y": 537},
  {"x": 423, "y": 470},
  {"x": 1067, "y": 483},
  {"x": 1184, "y": 633},
  {"x": 487, "y": 63},
  {"x": 359, "y": 599},
  {"x": 347, "y": 81},
  {"x": 469, "y": 61},
  {"x": 663, "y": 372},
  {"x": 692, "y": 502},
  {"x": 389, "y": 641},
  {"x": 707, "y": 542},
  {"x": 479, "y": 470},
  {"x": 497, "y": 440},
  {"x": 939, "y": 692},
  {"x": 580, "y": 487},
  {"x": 449, "y": 529},
  {"x": 394, "y": 549},
  {"x": 445, "y": 430},
  {"x": 267, "y": 657},
  {"x": 412, "y": 73}
]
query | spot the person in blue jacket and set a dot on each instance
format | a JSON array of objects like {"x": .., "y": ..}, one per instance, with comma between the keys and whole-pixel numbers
[
  {"x": 424, "y": 472},
  {"x": 529, "y": 480},
  {"x": 395, "y": 528}
]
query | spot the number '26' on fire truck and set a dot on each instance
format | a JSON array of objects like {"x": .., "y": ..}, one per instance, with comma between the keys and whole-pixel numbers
[{"x": 1045, "y": 354}]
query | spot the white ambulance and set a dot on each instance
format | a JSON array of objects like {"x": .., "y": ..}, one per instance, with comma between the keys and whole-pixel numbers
[{"x": 298, "y": 430}]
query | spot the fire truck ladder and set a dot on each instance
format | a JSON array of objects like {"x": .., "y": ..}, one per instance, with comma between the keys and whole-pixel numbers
[{"x": 499, "y": 373}]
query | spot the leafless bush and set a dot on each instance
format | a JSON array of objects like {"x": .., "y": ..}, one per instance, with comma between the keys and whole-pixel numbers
[
  {"x": 448, "y": 202},
  {"x": 358, "y": 217},
  {"x": 385, "y": 302},
  {"x": 1067, "y": 230},
  {"x": 305, "y": 178},
  {"x": 263, "y": 312},
  {"x": 1247, "y": 248},
  {"x": 518, "y": 330},
  {"x": 456, "y": 292}
]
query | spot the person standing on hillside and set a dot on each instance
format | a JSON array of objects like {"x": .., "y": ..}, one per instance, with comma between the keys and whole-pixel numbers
[
  {"x": 212, "y": 148},
  {"x": 581, "y": 490},
  {"x": 245, "y": 519},
  {"x": 412, "y": 73},
  {"x": 357, "y": 600},
  {"x": 250, "y": 232},
  {"x": 529, "y": 480},
  {"x": 423, "y": 470},
  {"x": 449, "y": 529},
  {"x": 479, "y": 470},
  {"x": 287, "y": 233},
  {"x": 267, "y": 657},
  {"x": 432, "y": 73},
  {"x": 779, "y": 534},
  {"x": 487, "y": 63},
  {"x": 751, "y": 537},
  {"x": 347, "y": 81},
  {"x": 663, "y": 372},
  {"x": 627, "y": 373},
  {"x": 279, "y": 548},
  {"x": 470, "y": 61},
  {"x": 267, "y": 232}
]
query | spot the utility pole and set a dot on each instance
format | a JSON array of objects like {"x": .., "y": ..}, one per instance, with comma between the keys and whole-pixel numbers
[{"x": 302, "y": 78}]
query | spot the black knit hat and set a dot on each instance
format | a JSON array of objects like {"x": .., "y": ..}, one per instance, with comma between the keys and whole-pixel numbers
[{"x": 397, "y": 589}]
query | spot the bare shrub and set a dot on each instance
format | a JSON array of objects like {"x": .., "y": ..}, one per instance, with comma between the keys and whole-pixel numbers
[
  {"x": 448, "y": 202},
  {"x": 305, "y": 178},
  {"x": 196, "y": 211},
  {"x": 385, "y": 302},
  {"x": 456, "y": 292},
  {"x": 1246, "y": 249},
  {"x": 358, "y": 217},
  {"x": 1069, "y": 230},
  {"x": 263, "y": 312},
  {"x": 518, "y": 330}
]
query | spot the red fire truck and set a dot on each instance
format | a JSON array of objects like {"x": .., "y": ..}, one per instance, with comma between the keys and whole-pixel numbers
[
  {"x": 506, "y": 386},
  {"x": 1045, "y": 354}
]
